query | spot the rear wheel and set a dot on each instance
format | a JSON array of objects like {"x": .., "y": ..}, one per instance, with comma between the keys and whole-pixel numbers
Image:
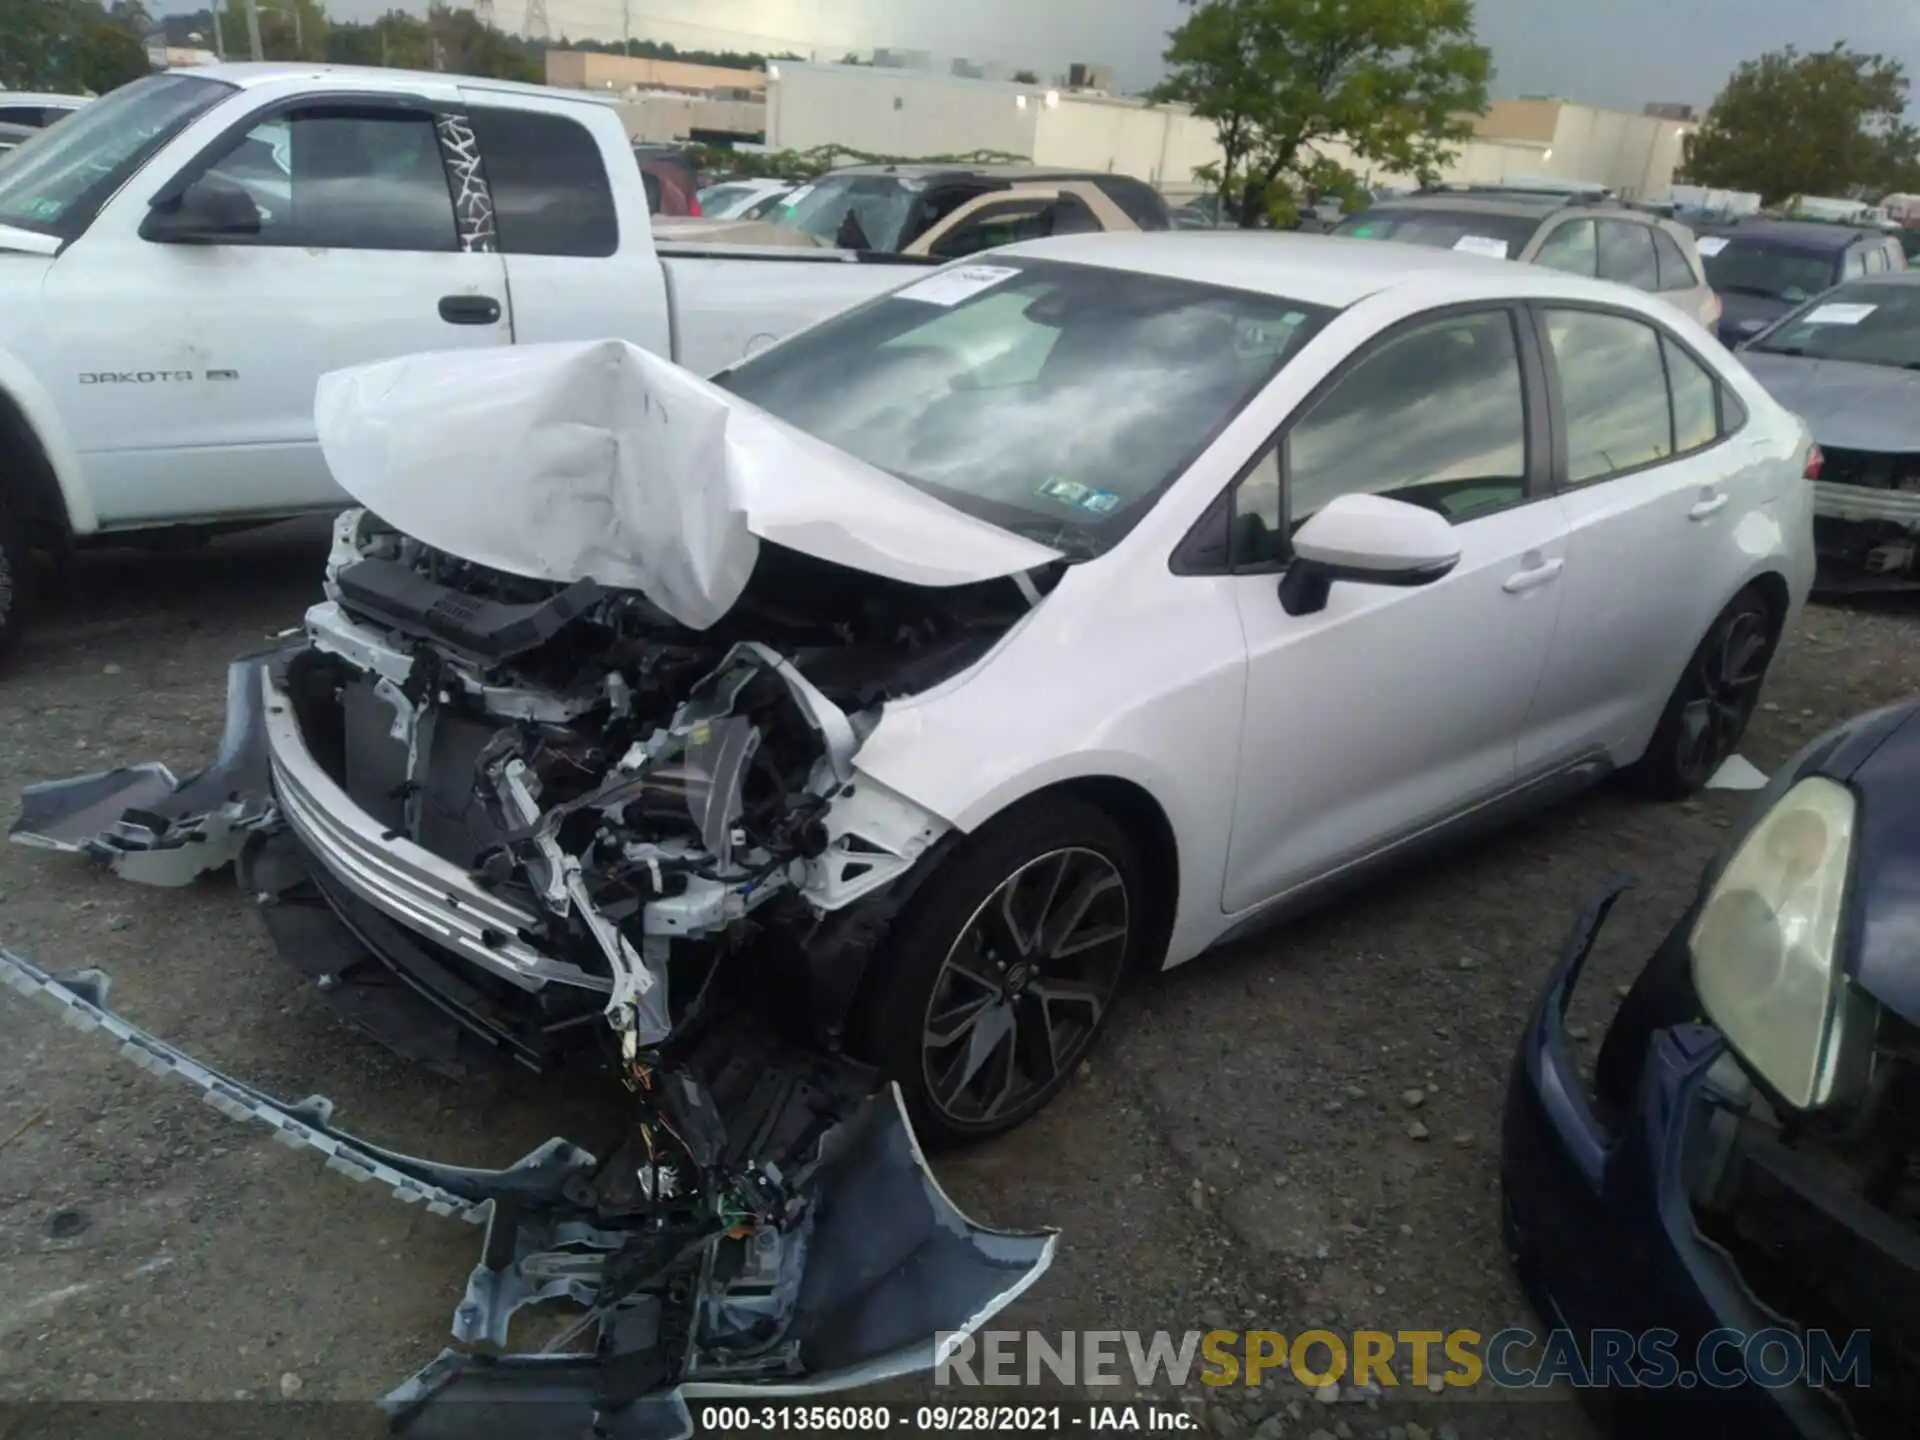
[
  {"x": 996, "y": 982},
  {"x": 1708, "y": 712},
  {"x": 14, "y": 576}
]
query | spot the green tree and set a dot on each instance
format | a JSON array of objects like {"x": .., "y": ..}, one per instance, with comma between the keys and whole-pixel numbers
[
  {"x": 1025, "y": 77},
  {"x": 1832, "y": 122},
  {"x": 72, "y": 44},
  {"x": 1396, "y": 82}
]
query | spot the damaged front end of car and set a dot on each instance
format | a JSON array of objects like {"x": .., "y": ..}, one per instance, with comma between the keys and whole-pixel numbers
[{"x": 499, "y": 811}]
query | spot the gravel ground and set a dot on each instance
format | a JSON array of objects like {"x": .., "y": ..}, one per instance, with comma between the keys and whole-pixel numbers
[{"x": 1245, "y": 1150}]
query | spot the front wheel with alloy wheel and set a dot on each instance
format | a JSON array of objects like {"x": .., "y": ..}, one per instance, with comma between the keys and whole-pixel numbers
[
  {"x": 1707, "y": 714},
  {"x": 993, "y": 985}
]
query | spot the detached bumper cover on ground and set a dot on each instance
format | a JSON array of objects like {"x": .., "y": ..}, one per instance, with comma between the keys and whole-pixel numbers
[{"x": 865, "y": 1266}]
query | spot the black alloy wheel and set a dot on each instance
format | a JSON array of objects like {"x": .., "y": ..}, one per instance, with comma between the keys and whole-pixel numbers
[
  {"x": 1025, "y": 985},
  {"x": 993, "y": 986},
  {"x": 1708, "y": 713}
]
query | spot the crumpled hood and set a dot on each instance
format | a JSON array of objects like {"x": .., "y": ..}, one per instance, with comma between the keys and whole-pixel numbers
[
  {"x": 1848, "y": 405},
  {"x": 600, "y": 461}
]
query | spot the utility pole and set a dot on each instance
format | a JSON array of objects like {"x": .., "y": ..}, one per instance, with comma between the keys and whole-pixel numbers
[
  {"x": 219, "y": 40},
  {"x": 253, "y": 31},
  {"x": 626, "y": 27}
]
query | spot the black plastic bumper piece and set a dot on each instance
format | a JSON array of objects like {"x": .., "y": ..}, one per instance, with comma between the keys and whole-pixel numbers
[{"x": 401, "y": 598}]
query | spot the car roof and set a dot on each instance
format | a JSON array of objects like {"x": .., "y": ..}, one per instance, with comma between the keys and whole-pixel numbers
[
  {"x": 1887, "y": 277},
  {"x": 47, "y": 99},
  {"x": 1536, "y": 207},
  {"x": 982, "y": 172},
  {"x": 1806, "y": 234},
  {"x": 1333, "y": 271},
  {"x": 247, "y": 74}
]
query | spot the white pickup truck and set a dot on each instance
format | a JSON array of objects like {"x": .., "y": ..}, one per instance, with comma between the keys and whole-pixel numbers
[{"x": 183, "y": 259}]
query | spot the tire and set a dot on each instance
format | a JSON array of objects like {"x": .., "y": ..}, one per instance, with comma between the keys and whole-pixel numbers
[
  {"x": 1708, "y": 712},
  {"x": 15, "y": 577},
  {"x": 1014, "y": 1016}
]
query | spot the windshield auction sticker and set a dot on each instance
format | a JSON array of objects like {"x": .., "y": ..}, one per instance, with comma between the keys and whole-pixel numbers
[
  {"x": 1482, "y": 245},
  {"x": 1837, "y": 314},
  {"x": 950, "y": 287},
  {"x": 1711, "y": 244}
]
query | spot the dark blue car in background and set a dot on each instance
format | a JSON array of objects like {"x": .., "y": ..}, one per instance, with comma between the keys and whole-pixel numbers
[
  {"x": 1733, "y": 1206},
  {"x": 1763, "y": 268}
]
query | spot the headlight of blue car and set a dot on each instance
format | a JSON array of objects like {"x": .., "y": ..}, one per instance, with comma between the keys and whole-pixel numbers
[{"x": 1766, "y": 950}]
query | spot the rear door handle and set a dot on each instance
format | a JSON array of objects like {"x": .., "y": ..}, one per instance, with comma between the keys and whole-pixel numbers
[
  {"x": 1533, "y": 577},
  {"x": 1709, "y": 505},
  {"x": 470, "y": 310}
]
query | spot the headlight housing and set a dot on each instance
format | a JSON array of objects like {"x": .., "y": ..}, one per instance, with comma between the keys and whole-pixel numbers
[{"x": 1765, "y": 948}]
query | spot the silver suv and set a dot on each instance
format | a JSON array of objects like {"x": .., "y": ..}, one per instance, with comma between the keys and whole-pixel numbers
[{"x": 1582, "y": 233}]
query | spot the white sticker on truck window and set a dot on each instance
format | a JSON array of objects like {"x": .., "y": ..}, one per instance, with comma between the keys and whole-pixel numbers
[
  {"x": 1482, "y": 245},
  {"x": 950, "y": 287},
  {"x": 1837, "y": 314},
  {"x": 1711, "y": 244}
]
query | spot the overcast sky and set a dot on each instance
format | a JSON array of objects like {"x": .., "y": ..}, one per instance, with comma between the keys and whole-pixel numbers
[{"x": 1608, "y": 52}]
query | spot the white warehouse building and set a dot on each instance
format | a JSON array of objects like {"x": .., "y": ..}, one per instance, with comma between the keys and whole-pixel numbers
[{"x": 917, "y": 114}]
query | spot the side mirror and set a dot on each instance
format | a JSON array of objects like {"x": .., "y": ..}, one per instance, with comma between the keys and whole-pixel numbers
[
  {"x": 1366, "y": 540},
  {"x": 212, "y": 211}
]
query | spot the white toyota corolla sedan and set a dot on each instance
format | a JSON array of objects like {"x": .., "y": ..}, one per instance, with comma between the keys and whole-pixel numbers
[{"x": 1060, "y": 614}]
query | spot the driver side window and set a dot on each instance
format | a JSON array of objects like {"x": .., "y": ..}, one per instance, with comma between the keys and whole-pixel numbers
[
  {"x": 994, "y": 225},
  {"x": 1434, "y": 416},
  {"x": 349, "y": 181}
]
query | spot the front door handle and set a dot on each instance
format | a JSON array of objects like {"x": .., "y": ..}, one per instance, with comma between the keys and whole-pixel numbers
[
  {"x": 470, "y": 310},
  {"x": 1534, "y": 576},
  {"x": 1709, "y": 505}
]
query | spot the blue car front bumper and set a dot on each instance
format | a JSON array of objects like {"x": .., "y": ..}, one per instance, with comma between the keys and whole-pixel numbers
[{"x": 1601, "y": 1227}]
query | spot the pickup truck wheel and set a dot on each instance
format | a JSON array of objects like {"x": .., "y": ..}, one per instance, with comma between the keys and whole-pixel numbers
[
  {"x": 996, "y": 982},
  {"x": 15, "y": 575}
]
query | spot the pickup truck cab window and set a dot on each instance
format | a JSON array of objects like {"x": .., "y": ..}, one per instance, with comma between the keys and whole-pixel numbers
[
  {"x": 551, "y": 195},
  {"x": 353, "y": 182},
  {"x": 59, "y": 186}
]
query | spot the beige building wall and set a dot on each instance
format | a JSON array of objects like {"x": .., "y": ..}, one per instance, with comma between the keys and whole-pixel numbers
[
  {"x": 1634, "y": 154},
  {"x": 889, "y": 112},
  {"x": 660, "y": 119},
  {"x": 588, "y": 70}
]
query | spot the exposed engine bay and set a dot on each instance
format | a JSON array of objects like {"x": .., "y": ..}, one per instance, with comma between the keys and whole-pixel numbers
[
  {"x": 1820, "y": 1214},
  {"x": 502, "y": 818}
]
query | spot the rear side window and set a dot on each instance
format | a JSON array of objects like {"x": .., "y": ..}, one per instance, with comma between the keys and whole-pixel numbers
[
  {"x": 1140, "y": 202},
  {"x": 551, "y": 195},
  {"x": 1696, "y": 407},
  {"x": 30, "y": 115},
  {"x": 1627, "y": 255},
  {"x": 1675, "y": 272},
  {"x": 1613, "y": 389},
  {"x": 1876, "y": 259},
  {"x": 1571, "y": 248}
]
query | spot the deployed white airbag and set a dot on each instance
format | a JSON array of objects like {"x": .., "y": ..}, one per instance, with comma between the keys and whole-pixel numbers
[{"x": 601, "y": 461}]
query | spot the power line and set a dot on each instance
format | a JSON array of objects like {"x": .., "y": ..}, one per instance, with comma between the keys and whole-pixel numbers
[{"x": 536, "y": 27}]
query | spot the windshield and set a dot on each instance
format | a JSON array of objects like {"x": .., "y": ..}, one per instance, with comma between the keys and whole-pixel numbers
[
  {"x": 57, "y": 181},
  {"x": 855, "y": 212},
  {"x": 1774, "y": 271},
  {"x": 1866, "y": 323},
  {"x": 1502, "y": 235},
  {"x": 1053, "y": 400}
]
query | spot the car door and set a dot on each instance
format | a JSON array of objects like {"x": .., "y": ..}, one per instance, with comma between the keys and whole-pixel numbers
[
  {"x": 1393, "y": 709},
  {"x": 1654, "y": 486},
  {"x": 203, "y": 357}
]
